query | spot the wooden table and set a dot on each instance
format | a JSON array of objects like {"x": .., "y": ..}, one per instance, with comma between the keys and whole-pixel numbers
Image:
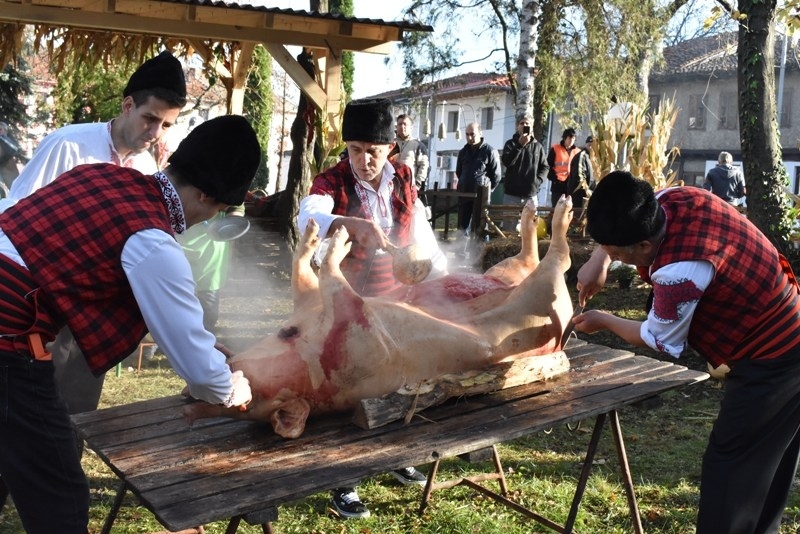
[{"x": 221, "y": 469}]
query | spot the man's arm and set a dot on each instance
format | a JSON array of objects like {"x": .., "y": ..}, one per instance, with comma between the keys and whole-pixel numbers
[
  {"x": 493, "y": 168},
  {"x": 551, "y": 161},
  {"x": 512, "y": 151}
]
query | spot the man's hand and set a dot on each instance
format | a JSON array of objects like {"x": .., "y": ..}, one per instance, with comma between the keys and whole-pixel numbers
[
  {"x": 524, "y": 139},
  {"x": 240, "y": 394},
  {"x": 365, "y": 232}
]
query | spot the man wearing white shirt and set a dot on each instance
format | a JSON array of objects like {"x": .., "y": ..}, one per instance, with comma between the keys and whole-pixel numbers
[
  {"x": 95, "y": 250},
  {"x": 152, "y": 99},
  {"x": 376, "y": 201}
]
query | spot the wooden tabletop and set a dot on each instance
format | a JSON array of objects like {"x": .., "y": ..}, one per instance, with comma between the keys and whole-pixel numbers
[{"x": 219, "y": 468}]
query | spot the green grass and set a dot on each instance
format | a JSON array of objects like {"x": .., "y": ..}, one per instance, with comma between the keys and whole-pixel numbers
[{"x": 664, "y": 441}]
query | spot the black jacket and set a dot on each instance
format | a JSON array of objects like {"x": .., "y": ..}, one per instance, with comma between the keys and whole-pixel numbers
[{"x": 526, "y": 167}]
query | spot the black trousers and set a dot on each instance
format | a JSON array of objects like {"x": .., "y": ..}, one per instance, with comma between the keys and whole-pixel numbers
[
  {"x": 556, "y": 190},
  {"x": 39, "y": 460},
  {"x": 753, "y": 450},
  {"x": 465, "y": 208}
]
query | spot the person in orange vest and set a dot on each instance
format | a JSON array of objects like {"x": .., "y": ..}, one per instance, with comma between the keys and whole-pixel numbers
[{"x": 559, "y": 159}]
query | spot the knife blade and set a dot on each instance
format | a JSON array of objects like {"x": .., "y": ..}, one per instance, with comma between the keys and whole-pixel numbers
[{"x": 570, "y": 326}]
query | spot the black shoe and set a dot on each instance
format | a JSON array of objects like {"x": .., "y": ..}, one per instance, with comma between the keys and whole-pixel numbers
[
  {"x": 409, "y": 475},
  {"x": 347, "y": 504}
]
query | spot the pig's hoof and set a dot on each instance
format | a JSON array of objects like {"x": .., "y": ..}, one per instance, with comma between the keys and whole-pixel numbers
[
  {"x": 562, "y": 215},
  {"x": 339, "y": 247}
]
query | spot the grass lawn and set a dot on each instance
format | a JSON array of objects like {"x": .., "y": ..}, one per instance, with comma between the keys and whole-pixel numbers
[{"x": 664, "y": 438}]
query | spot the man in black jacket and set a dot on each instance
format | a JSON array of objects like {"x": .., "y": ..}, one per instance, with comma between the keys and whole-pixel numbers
[
  {"x": 477, "y": 165},
  {"x": 526, "y": 164}
]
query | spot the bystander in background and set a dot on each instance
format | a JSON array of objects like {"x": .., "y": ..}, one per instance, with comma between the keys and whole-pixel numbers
[
  {"x": 526, "y": 166},
  {"x": 581, "y": 174},
  {"x": 559, "y": 159},
  {"x": 726, "y": 181},
  {"x": 477, "y": 165}
]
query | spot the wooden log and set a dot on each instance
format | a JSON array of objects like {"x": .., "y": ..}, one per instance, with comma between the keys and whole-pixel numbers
[{"x": 410, "y": 399}]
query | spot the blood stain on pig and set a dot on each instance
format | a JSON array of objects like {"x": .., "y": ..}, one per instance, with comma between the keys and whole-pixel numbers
[{"x": 349, "y": 309}]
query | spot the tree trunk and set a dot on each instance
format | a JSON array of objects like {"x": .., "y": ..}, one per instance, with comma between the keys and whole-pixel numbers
[
  {"x": 300, "y": 173},
  {"x": 761, "y": 151},
  {"x": 526, "y": 62}
]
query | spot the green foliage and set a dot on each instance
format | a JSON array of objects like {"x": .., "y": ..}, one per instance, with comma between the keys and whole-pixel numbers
[
  {"x": 258, "y": 104},
  {"x": 89, "y": 92},
  {"x": 14, "y": 85}
]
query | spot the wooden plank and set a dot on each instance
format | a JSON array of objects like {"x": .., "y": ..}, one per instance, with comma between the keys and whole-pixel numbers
[
  {"x": 188, "y": 476},
  {"x": 406, "y": 448},
  {"x": 401, "y": 404}
]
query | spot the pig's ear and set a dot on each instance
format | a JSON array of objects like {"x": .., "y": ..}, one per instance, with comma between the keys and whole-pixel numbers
[{"x": 289, "y": 420}]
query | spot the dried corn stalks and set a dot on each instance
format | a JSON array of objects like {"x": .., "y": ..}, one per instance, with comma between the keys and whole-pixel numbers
[{"x": 637, "y": 142}]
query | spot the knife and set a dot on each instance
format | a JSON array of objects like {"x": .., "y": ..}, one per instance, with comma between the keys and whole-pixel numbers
[{"x": 570, "y": 326}]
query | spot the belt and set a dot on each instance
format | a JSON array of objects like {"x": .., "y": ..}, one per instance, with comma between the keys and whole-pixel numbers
[{"x": 37, "y": 347}]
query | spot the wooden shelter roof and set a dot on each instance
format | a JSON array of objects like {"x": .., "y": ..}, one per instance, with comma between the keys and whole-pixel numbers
[
  {"x": 216, "y": 20},
  {"x": 198, "y": 24}
]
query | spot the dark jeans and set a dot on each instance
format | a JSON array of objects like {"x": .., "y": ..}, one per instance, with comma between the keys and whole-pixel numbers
[
  {"x": 39, "y": 461},
  {"x": 465, "y": 207},
  {"x": 752, "y": 453},
  {"x": 556, "y": 190}
]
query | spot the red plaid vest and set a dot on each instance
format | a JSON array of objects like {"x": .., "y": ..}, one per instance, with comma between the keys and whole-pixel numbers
[
  {"x": 367, "y": 274},
  {"x": 751, "y": 309},
  {"x": 70, "y": 235}
]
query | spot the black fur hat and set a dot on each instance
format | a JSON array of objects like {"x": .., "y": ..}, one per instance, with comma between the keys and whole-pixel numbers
[
  {"x": 623, "y": 210},
  {"x": 369, "y": 120},
  {"x": 163, "y": 71},
  {"x": 219, "y": 157}
]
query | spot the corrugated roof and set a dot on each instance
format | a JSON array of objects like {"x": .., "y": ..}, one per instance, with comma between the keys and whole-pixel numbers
[{"x": 404, "y": 25}]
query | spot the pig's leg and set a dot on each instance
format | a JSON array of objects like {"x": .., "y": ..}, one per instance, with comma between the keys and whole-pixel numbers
[
  {"x": 305, "y": 284},
  {"x": 514, "y": 269},
  {"x": 536, "y": 312}
]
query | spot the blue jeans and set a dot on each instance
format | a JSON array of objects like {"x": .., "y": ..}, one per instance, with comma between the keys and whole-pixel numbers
[{"x": 39, "y": 460}]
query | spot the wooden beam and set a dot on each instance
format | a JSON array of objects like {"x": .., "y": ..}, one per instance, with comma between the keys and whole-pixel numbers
[
  {"x": 241, "y": 66},
  {"x": 334, "y": 105},
  {"x": 161, "y": 18},
  {"x": 307, "y": 84}
]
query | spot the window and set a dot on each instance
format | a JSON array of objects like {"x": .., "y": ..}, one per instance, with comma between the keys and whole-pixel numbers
[
  {"x": 785, "y": 116},
  {"x": 452, "y": 121},
  {"x": 697, "y": 113},
  {"x": 487, "y": 118},
  {"x": 728, "y": 111}
]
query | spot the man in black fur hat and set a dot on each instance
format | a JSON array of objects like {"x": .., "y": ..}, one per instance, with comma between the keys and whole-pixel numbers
[
  {"x": 152, "y": 99},
  {"x": 96, "y": 251},
  {"x": 376, "y": 201},
  {"x": 722, "y": 288}
]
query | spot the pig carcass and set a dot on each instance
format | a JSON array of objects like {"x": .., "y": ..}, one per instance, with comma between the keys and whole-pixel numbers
[{"x": 338, "y": 347}]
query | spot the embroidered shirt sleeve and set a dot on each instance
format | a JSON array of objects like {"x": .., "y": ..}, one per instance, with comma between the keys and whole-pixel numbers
[{"x": 677, "y": 289}]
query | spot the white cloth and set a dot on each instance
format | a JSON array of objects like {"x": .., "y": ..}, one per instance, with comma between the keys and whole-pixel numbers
[
  {"x": 682, "y": 283},
  {"x": 161, "y": 281},
  {"x": 66, "y": 148},
  {"x": 320, "y": 208}
]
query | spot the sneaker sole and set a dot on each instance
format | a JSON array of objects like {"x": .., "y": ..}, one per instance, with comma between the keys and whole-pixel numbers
[
  {"x": 349, "y": 515},
  {"x": 408, "y": 481}
]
